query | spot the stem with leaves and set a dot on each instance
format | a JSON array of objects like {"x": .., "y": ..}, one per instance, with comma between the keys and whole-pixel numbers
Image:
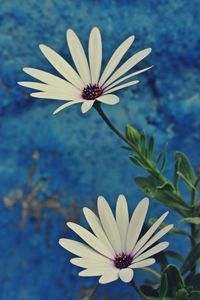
[{"x": 156, "y": 185}]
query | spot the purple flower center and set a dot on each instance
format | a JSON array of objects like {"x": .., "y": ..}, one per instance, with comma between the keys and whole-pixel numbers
[
  {"x": 123, "y": 260},
  {"x": 91, "y": 91}
]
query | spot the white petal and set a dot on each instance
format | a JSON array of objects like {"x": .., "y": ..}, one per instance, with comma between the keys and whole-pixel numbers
[
  {"x": 116, "y": 58},
  {"x": 50, "y": 79},
  {"x": 56, "y": 95},
  {"x": 155, "y": 238},
  {"x": 90, "y": 263},
  {"x": 78, "y": 56},
  {"x": 110, "y": 276},
  {"x": 69, "y": 93},
  {"x": 130, "y": 63},
  {"x": 109, "y": 99},
  {"x": 81, "y": 250},
  {"x": 95, "y": 271},
  {"x": 122, "y": 86},
  {"x": 126, "y": 275},
  {"x": 66, "y": 105},
  {"x": 62, "y": 66},
  {"x": 149, "y": 233},
  {"x": 35, "y": 85},
  {"x": 136, "y": 224},
  {"x": 126, "y": 77},
  {"x": 122, "y": 218},
  {"x": 90, "y": 239},
  {"x": 109, "y": 224},
  {"x": 95, "y": 54},
  {"x": 87, "y": 105},
  {"x": 96, "y": 227},
  {"x": 158, "y": 248},
  {"x": 143, "y": 263}
]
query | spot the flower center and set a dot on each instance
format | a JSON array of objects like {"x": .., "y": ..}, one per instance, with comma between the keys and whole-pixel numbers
[
  {"x": 91, "y": 91},
  {"x": 123, "y": 260}
]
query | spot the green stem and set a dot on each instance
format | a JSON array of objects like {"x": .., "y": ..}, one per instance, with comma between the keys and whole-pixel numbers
[
  {"x": 156, "y": 274},
  {"x": 138, "y": 290},
  {"x": 92, "y": 293},
  {"x": 193, "y": 227},
  {"x": 150, "y": 166}
]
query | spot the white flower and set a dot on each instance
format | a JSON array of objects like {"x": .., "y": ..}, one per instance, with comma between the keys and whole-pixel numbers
[
  {"x": 115, "y": 248},
  {"x": 85, "y": 85}
]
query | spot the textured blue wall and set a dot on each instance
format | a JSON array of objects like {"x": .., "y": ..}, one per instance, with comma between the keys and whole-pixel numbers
[{"x": 51, "y": 166}]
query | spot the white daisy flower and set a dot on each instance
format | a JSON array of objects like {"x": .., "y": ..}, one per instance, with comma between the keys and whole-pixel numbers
[
  {"x": 85, "y": 85},
  {"x": 115, "y": 248}
]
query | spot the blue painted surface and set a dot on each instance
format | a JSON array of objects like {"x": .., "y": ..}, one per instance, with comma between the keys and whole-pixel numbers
[{"x": 79, "y": 158}]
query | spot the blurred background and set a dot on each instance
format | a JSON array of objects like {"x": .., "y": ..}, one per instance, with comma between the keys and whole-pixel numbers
[{"x": 52, "y": 166}]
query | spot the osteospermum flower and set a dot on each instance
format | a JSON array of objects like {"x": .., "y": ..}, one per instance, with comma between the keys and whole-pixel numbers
[
  {"x": 116, "y": 247},
  {"x": 85, "y": 85}
]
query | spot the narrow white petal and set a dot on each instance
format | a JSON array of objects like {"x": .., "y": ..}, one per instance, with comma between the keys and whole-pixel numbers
[
  {"x": 130, "y": 63},
  {"x": 122, "y": 86},
  {"x": 116, "y": 58},
  {"x": 143, "y": 263},
  {"x": 90, "y": 263},
  {"x": 62, "y": 66},
  {"x": 81, "y": 250},
  {"x": 126, "y": 275},
  {"x": 122, "y": 218},
  {"x": 110, "y": 276},
  {"x": 95, "y": 271},
  {"x": 50, "y": 79},
  {"x": 125, "y": 78},
  {"x": 155, "y": 238},
  {"x": 56, "y": 95},
  {"x": 96, "y": 227},
  {"x": 109, "y": 224},
  {"x": 66, "y": 105},
  {"x": 156, "y": 249},
  {"x": 78, "y": 56},
  {"x": 90, "y": 239},
  {"x": 35, "y": 85},
  {"x": 109, "y": 99},
  {"x": 149, "y": 233},
  {"x": 69, "y": 93},
  {"x": 95, "y": 54},
  {"x": 87, "y": 105},
  {"x": 136, "y": 224}
]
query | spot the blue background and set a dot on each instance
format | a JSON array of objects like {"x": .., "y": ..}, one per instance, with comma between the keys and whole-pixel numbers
[{"x": 52, "y": 166}]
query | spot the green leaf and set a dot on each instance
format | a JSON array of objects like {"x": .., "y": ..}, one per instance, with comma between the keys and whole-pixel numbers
[
  {"x": 132, "y": 134},
  {"x": 150, "y": 186},
  {"x": 185, "y": 180},
  {"x": 136, "y": 161},
  {"x": 195, "y": 282},
  {"x": 161, "y": 159},
  {"x": 181, "y": 294},
  {"x": 143, "y": 144},
  {"x": 191, "y": 259},
  {"x": 174, "y": 278},
  {"x": 195, "y": 295},
  {"x": 176, "y": 168},
  {"x": 192, "y": 220},
  {"x": 175, "y": 255},
  {"x": 151, "y": 147},
  {"x": 149, "y": 290},
  {"x": 196, "y": 184},
  {"x": 184, "y": 167},
  {"x": 163, "y": 286}
]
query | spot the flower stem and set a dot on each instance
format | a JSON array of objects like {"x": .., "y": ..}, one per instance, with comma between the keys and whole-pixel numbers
[
  {"x": 156, "y": 274},
  {"x": 92, "y": 293},
  {"x": 149, "y": 164},
  {"x": 138, "y": 290}
]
